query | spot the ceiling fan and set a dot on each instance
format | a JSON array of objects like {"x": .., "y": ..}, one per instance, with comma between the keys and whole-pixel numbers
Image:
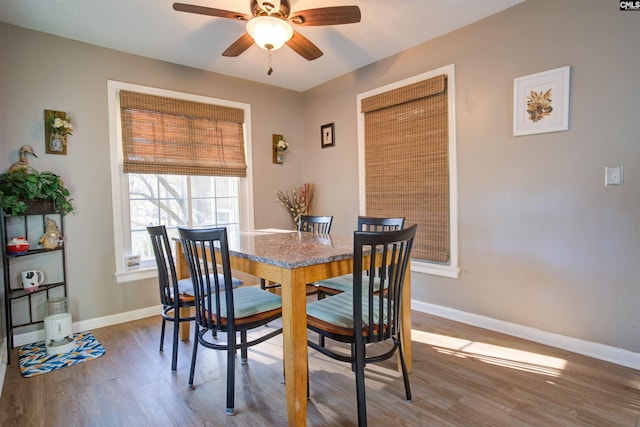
[{"x": 269, "y": 24}]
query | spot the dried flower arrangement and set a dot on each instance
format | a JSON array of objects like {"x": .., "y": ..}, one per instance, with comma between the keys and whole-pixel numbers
[
  {"x": 60, "y": 126},
  {"x": 282, "y": 145},
  {"x": 299, "y": 202}
]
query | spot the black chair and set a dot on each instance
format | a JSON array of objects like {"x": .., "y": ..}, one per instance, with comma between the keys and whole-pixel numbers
[
  {"x": 361, "y": 317},
  {"x": 336, "y": 285},
  {"x": 220, "y": 307},
  {"x": 309, "y": 223},
  {"x": 170, "y": 286},
  {"x": 172, "y": 296},
  {"x": 315, "y": 224}
]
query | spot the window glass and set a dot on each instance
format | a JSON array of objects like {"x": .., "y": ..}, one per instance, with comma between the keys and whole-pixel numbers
[{"x": 188, "y": 201}]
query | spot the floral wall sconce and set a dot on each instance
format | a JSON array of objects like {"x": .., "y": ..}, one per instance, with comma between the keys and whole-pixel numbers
[
  {"x": 57, "y": 127},
  {"x": 279, "y": 147}
]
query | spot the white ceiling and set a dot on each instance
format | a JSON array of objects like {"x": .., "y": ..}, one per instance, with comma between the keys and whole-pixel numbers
[{"x": 151, "y": 28}]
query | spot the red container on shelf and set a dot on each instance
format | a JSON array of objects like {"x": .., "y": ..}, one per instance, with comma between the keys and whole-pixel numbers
[{"x": 17, "y": 245}]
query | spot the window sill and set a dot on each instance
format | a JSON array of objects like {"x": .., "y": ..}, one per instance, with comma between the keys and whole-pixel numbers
[{"x": 133, "y": 276}]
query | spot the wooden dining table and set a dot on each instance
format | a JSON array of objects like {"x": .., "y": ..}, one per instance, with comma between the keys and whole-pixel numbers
[{"x": 293, "y": 259}]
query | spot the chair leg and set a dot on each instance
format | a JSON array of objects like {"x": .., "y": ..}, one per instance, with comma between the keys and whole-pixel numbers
[
  {"x": 231, "y": 373},
  {"x": 243, "y": 351},
  {"x": 405, "y": 374},
  {"x": 194, "y": 353},
  {"x": 174, "y": 355},
  {"x": 360, "y": 390},
  {"x": 354, "y": 365},
  {"x": 164, "y": 322},
  {"x": 308, "y": 384}
]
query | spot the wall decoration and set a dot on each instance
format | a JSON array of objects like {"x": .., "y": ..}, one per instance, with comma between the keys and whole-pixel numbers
[
  {"x": 57, "y": 127},
  {"x": 327, "y": 135},
  {"x": 541, "y": 102},
  {"x": 279, "y": 147}
]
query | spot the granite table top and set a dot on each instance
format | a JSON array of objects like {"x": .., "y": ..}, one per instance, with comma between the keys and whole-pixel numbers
[{"x": 289, "y": 249}]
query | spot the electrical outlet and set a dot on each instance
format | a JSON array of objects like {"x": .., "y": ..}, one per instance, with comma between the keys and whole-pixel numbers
[{"x": 613, "y": 175}]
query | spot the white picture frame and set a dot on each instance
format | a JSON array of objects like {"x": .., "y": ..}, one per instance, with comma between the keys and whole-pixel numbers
[{"x": 541, "y": 102}]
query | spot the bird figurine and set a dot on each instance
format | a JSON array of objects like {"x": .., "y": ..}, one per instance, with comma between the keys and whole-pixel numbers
[
  {"x": 22, "y": 164},
  {"x": 51, "y": 238}
]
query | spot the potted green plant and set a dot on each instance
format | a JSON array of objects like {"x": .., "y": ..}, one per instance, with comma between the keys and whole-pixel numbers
[{"x": 19, "y": 187}]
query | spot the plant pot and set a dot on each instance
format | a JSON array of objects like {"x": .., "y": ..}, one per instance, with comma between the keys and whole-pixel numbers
[{"x": 38, "y": 207}]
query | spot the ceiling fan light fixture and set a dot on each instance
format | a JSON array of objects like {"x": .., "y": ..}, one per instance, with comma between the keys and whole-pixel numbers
[{"x": 269, "y": 32}]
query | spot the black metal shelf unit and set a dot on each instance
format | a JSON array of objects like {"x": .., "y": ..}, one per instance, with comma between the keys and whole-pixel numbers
[{"x": 31, "y": 226}]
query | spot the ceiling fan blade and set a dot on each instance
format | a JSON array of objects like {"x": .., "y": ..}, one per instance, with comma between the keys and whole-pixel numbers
[
  {"x": 327, "y": 16},
  {"x": 303, "y": 47},
  {"x": 201, "y": 10},
  {"x": 239, "y": 46}
]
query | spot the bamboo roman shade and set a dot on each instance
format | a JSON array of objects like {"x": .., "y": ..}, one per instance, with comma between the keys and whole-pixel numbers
[
  {"x": 163, "y": 135},
  {"x": 407, "y": 162}
]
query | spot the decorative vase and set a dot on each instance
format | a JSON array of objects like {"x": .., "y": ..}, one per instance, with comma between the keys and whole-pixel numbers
[{"x": 56, "y": 142}]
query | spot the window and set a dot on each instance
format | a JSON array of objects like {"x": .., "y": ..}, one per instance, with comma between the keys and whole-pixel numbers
[
  {"x": 407, "y": 149},
  {"x": 170, "y": 183},
  {"x": 175, "y": 200}
]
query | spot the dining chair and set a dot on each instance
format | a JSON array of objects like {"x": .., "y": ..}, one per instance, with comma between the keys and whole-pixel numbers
[
  {"x": 170, "y": 286},
  {"x": 362, "y": 317},
  {"x": 315, "y": 224},
  {"x": 336, "y": 285},
  {"x": 309, "y": 223},
  {"x": 220, "y": 307},
  {"x": 174, "y": 294}
]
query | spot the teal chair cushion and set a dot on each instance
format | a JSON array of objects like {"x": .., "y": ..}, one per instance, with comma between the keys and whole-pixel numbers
[
  {"x": 249, "y": 301},
  {"x": 338, "y": 310},
  {"x": 345, "y": 283},
  {"x": 185, "y": 286}
]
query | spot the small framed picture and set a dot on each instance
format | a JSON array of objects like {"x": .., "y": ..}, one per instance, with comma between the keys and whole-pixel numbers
[
  {"x": 133, "y": 262},
  {"x": 327, "y": 135},
  {"x": 541, "y": 102}
]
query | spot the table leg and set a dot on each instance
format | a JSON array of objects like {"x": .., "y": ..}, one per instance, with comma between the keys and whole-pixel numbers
[
  {"x": 185, "y": 326},
  {"x": 294, "y": 325},
  {"x": 405, "y": 320}
]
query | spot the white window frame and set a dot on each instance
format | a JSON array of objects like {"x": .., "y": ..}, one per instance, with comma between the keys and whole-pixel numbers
[
  {"x": 120, "y": 183},
  {"x": 452, "y": 269}
]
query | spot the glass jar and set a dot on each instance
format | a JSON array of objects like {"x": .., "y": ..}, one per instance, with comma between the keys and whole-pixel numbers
[{"x": 56, "y": 142}]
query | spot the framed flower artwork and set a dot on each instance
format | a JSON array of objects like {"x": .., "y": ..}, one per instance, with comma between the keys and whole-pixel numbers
[{"x": 541, "y": 102}]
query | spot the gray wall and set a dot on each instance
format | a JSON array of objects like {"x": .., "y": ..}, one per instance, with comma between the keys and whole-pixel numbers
[
  {"x": 39, "y": 72},
  {"x": 542, "y": 242}
]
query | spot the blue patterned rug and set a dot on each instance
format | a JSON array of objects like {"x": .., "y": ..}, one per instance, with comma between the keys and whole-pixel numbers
[{"x": 34, "y": 359}]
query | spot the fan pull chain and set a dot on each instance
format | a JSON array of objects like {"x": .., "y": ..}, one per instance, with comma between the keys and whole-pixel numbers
[{"x": 270, "y": 70}]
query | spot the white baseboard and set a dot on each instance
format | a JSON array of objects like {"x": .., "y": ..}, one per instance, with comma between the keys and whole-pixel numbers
[
  {"x": 85, "y": 325},
  {"x": 586, "y": 348}
]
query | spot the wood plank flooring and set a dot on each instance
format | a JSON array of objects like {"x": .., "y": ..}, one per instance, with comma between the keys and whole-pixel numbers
[{"x": 462, "y": 376}]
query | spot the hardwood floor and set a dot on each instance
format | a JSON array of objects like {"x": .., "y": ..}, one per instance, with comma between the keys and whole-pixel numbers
[{"x": 462, "y": 376}]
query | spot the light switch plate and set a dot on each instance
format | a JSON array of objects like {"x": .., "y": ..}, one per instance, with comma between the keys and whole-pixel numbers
[{"x": 613, "y": 175}]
